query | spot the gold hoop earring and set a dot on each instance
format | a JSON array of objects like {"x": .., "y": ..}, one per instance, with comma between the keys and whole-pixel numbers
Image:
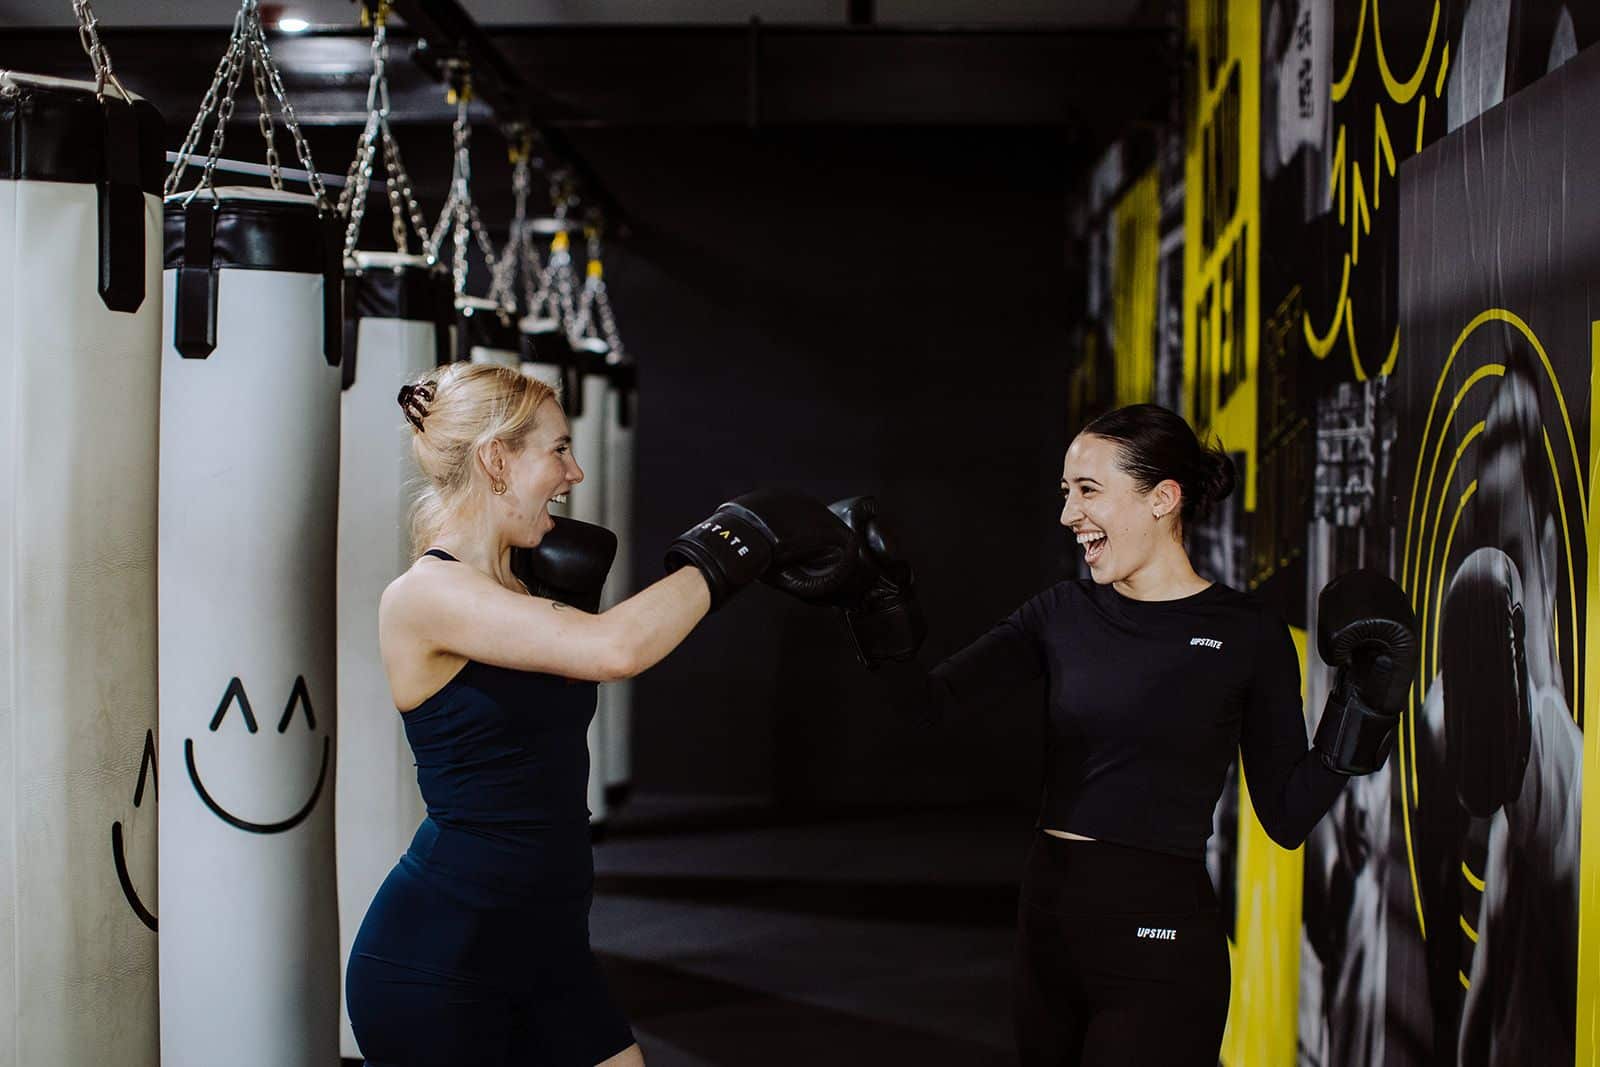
[{"x": 498, "y": 488}]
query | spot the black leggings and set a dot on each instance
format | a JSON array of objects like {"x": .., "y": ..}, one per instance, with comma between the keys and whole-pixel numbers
[{"x": 1121, "y": 958}]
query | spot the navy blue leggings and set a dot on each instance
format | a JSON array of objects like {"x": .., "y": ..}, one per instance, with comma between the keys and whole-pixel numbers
[
  {"x": 452, "y": 967},
  {"x": 404, "y": 1017}
]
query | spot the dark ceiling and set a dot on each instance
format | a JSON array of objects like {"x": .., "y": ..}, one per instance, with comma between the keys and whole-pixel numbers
[{"x": 1082, "y": 71}]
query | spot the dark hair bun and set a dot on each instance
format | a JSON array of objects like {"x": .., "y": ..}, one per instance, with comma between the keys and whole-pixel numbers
[
  {"x": 1217, "y": 480},
  {"x": 1155, "y": 444}
]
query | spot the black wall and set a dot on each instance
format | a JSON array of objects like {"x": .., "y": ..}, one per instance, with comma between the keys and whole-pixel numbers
[{"x": 843, "y": 312}]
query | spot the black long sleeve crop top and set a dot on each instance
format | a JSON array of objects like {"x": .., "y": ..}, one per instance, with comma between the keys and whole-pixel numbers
[{"x": 1148, "y": 702}]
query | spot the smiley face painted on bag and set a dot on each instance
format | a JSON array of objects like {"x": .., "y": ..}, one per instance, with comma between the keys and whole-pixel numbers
[
  {"x": 119, "y": 852},
  {"x": 299, "y": 700}
]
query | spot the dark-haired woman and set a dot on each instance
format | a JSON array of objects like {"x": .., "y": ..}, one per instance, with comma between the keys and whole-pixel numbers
[{"x": 1156, "y": 678}]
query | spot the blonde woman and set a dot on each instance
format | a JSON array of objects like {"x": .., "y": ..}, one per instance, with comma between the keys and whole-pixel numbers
[{"x": 476, "y": 948}]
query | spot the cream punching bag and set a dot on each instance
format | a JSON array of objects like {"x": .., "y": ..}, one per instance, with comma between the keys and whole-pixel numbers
[
  {"x": 248, "y": 546},
  {"x": 397, "y": 325},
  {"x": 621, "y": 410},
  {"x": 80, "y": 343}
]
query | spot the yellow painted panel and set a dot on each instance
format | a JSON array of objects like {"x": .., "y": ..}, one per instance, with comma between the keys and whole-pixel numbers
[
  {"x": 1588, "y": 1036},
  {"x": 1222, "y": 231},
  {"x": 1263, "y": 1015},
  {"x": 1137, "y": 224}
]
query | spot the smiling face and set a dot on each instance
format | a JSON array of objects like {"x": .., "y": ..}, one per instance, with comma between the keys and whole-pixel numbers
[
  {"x": 298, "y": 706},
  {"x": 541, "y": 471},
  {"x": 1119, "y": 528}
]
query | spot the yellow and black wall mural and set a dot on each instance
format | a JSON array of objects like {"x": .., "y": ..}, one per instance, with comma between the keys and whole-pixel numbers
[{"x": 1367, "y": 259}]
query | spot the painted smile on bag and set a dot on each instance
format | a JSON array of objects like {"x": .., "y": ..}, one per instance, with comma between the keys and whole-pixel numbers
[
  {"x": 235, "y": 694},
  {"x": 147, "y": 762}
]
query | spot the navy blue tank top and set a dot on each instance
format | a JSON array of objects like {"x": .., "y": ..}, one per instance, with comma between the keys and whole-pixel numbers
[{"x": 500, "y": 752}]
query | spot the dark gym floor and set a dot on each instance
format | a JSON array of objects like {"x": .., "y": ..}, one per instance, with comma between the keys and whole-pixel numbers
[
  {"x": 733, "y": 937},
  {"x": 863, "y": 940}
]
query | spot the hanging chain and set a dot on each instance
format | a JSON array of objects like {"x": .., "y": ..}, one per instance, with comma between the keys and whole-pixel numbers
[
  {"x": 555, "y": 300},
  {"x": 219, "y": 98},
  {"x": 377, "y": 139},
  {"x": 582, "y": 322},
  {"x": 275, "y": 81},
  {"x": 532, "y": 268},
  {"x": 89, "y": 35},
  {"x": 224, "y": 116},
  {"x": 461, "y": 222},
  {"x": 264, "y": 119},
  {"x": 400, "y": 190},
  {"x": 503, "y": 287},
  {"x": 247, "y": 45},
  {"x": 490, "y": 257},
  {"x": 560, "y": 268},
  {"x": 435, "y": 242},
  {"x": 353, "y": 198},
  {"x": 596, "y": 302},
  {"x": 460, "y": 219}
]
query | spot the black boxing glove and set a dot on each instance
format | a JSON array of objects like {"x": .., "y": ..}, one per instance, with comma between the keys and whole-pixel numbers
[
  {"x": 884, "y": 618},
  {"x": 874, "y": 588},
  {"x": 1365, "y": 628},
  {"x": 753, "y": 534},
  {"x": 570, "y": 564}
]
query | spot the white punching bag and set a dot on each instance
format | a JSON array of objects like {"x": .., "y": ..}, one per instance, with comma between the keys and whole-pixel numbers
[
  {"x": 586, "y": 415},
  {"x": 546, "y": 355},
  {"x": 249, "y": 510},
  {"x": 621, "y": 409},
  {"x": 80, "y": 354},
  {"x": 397, "y": 321}
]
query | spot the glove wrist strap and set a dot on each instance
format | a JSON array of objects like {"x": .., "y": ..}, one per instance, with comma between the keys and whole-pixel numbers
[{"x": 1353, "y": 737}]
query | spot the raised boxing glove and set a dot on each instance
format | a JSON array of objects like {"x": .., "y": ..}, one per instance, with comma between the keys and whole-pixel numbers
[
  {"x": 884, "y": 616},
  {"x": 1365, "y": 628},
  {"x": 570, "y": 564},
  {"x": 757, "y": 532}
]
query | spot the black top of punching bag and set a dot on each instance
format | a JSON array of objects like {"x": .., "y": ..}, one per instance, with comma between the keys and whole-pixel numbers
[
  {"x": 254, "y": 229},
  {"x": 55, "y": 130},
  {"x": 243, "y": 228},
  {"x": 481, "y": 323},
  {"x": 394, "y": 285}
]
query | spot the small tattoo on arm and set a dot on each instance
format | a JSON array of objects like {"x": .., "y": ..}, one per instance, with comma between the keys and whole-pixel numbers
[{"x": 558, "y": 605}]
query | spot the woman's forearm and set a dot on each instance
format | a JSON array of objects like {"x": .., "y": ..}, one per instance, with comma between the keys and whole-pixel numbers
[{"x": 654, "y": 621}]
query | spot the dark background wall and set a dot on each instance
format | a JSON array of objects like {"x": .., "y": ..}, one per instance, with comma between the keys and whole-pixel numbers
[
  {"x": 869, "y": 293},
  {"x": 843, "y": 312},
  {"x": 871, "y": 296}
]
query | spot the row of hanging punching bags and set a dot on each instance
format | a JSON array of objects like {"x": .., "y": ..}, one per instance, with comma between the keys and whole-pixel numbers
[
  {"x": 240, "y": 499},
  {"x": 600, "y": 400}
]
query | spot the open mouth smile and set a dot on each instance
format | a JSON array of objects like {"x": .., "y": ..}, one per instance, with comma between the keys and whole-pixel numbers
[{"x": 1093, "y": 544}]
